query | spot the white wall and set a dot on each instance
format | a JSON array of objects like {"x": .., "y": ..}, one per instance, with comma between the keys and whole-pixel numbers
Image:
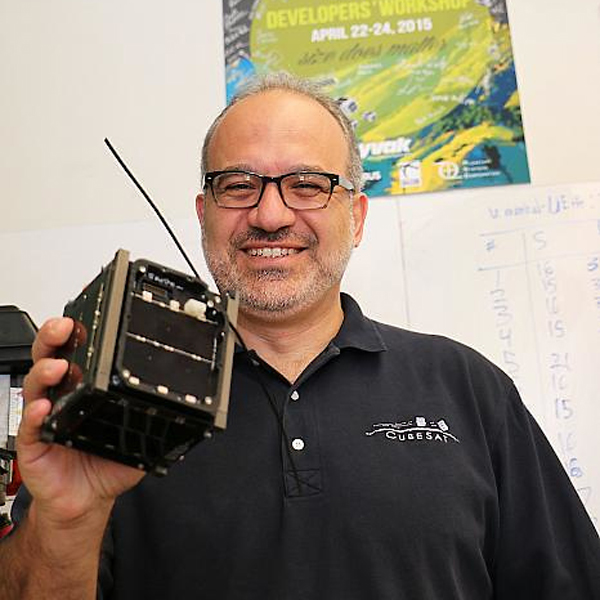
[
  {"x": 148, "y": 74},
  {"x": 557, "y": 55}
]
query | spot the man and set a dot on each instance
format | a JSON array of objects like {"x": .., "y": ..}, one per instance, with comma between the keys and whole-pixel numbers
[{"x": 399, "y": 465}]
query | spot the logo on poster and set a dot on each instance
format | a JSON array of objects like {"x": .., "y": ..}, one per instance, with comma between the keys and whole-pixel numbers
[
  {"x": 448, "y": 170},
  {"x": 410, "y": 173}
]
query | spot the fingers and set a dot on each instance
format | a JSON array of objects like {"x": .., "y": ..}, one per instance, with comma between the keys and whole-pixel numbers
[
  {"x": 33, "y": 417},
  {"x": 53, "y": 334},
  {"x": 45, "y": 373}
]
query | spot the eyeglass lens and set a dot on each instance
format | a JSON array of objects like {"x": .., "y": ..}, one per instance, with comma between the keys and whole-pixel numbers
[{"x": 299, "y": 190}]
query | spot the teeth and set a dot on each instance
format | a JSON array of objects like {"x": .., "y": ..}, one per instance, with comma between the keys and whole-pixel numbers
[{"x": 272, "y": 252}]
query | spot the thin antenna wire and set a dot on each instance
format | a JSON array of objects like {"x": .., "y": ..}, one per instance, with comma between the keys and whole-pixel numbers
[
  {"x": 278, "y": 415},
  {"x": 154, "y": 207}
]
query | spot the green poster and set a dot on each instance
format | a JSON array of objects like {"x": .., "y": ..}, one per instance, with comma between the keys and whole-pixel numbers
[{"x": 429, "y": 85}]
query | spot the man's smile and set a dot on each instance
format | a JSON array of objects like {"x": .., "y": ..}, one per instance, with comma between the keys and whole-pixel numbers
[
  {"x": 277, "y": 245},
  {"x": 270, "y": 252}
]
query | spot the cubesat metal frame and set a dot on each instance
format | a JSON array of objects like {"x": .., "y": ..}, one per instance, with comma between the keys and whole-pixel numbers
[{"x": 150, "y": 361}]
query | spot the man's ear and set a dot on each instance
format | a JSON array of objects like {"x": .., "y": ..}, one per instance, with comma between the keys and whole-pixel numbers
[
  {"x": 200, "y": 199},
  {"x": 360, "y": 206}
]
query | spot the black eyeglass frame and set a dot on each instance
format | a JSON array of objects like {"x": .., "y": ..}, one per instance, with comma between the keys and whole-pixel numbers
[{"x": 334, "y": 179}]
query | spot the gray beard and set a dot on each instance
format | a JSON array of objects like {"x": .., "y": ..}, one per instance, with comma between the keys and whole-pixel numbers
[{"x": 253, "y": 288}]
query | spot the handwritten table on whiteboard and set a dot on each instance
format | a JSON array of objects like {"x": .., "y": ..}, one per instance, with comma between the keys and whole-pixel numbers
[{"x": 515, "y": 273}]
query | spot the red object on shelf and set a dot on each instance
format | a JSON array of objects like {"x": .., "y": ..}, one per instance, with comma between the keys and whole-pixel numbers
[
  {"x": 5, "y": 530},
  {"x": 15, "y": 484}
]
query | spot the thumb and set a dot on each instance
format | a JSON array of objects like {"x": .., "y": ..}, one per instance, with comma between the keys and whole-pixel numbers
[{"x": 29, "y": 430}]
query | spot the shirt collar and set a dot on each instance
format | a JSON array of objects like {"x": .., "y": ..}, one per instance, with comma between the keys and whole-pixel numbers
[{"x": 357, "y": 331}]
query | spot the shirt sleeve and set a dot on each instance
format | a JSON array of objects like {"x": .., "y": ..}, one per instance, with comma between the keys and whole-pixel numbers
[
  {"x": 20, "y": 505},
  {"x": 548, "y": 548},
  {"x": 105, "y": 572}
]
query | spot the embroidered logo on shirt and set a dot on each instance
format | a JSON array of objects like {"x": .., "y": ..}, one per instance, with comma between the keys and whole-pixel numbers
[{"x": 418, "y": 429}]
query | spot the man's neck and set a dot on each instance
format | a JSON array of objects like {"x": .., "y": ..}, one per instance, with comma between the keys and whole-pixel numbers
[{"x": 290, "y": 342}]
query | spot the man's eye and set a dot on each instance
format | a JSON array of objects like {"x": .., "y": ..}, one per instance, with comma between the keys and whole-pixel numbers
[
  {"x": 308, "y": 187},
  {"x": 242, "y": 185},
  {"x": 236, "y": 187},
  {"x": 307, "y": 184}
]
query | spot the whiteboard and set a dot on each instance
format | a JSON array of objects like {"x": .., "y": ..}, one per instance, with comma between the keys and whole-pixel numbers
[{"x": 515, "y": 273}]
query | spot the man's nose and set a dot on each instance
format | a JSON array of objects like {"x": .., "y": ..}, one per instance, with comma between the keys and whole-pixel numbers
[{"x": 271, "y": 214}]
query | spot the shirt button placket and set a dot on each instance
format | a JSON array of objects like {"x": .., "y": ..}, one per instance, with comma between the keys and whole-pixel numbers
[
  {"x": 303, "y": 477},
  {"x": 297, "y": 443}
]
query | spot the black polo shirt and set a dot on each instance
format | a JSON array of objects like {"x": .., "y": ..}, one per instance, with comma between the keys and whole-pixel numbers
[{"x": 407, "y": 468}]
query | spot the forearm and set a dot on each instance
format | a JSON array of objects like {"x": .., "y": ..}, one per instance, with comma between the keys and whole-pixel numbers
[{"x": 43, "y": 561}]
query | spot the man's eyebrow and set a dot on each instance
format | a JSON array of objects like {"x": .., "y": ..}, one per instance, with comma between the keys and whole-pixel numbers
[
  {"x": 291, "y": 169},
  {"x": 304, "y": 167}
]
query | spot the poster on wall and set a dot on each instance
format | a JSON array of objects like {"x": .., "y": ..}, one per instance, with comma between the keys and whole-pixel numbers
[{"x": 429, "y": 85}]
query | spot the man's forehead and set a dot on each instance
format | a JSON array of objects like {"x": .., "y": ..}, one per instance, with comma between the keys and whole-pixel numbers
[
  {"x": 279, "y": 113},
  {"x": 263, "y": 106}
]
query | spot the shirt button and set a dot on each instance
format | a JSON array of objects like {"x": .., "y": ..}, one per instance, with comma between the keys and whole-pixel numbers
[
  {"x": 295, "y": 395},
  {"x": 298, "y": 444}
]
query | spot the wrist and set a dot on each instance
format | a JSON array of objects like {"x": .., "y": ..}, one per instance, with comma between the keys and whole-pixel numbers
[{"x": 65, "y": 540}]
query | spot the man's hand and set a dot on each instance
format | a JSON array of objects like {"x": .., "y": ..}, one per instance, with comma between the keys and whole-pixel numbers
[
  {"x": 54, "y": 552},
  {"x": 66, "y": 484}
]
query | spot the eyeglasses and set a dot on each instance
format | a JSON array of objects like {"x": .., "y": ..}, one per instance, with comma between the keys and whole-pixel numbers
[{"x": 301, "y": 191}]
